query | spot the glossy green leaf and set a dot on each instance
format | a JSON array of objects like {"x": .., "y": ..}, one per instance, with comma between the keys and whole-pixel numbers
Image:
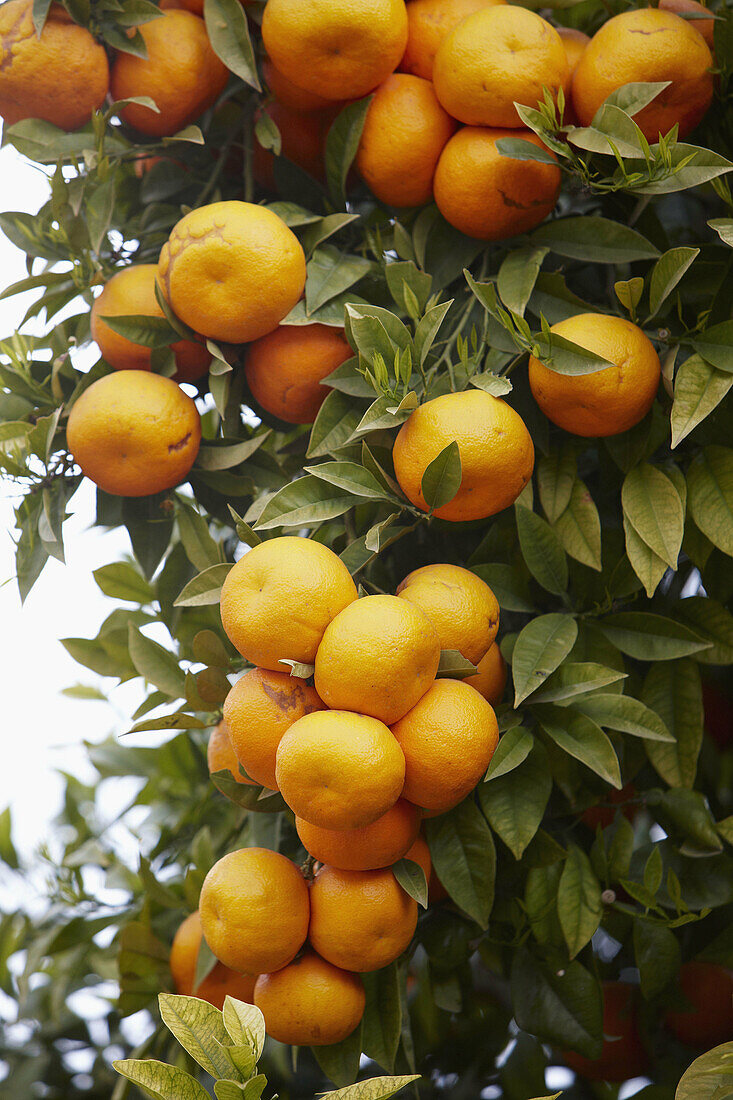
[
  {"x": 582, "y": 738},
  {"x": 204, "y": 589},
  {"x": 542, "y": 645},
  {"x": 674, "y": 691},
  {"x": 698, "y": 390},
  {"x": 578, "y": 528},
  {"x": 579, "y": 905},
  {"x": 624, "y": 713},
  {"x": 226, "y": 25},
  {"x": 650, "y": 637},
  {"x": 654, "y": 509},
  {"x": 442, "y": 478},
  {"x": 462, "y": 851},
  {"x": 710, "y": 495},
  {"x": 513, "y": 749},
  {"x": 382, "y": 1024},
  {"x": 514, "y": 803},
  {"x": 161, "y": 1081},
  {"x": 542, "y": 551}
]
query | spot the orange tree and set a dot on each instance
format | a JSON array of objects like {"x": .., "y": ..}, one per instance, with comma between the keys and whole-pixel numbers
[{"x": 526, "y": 379}]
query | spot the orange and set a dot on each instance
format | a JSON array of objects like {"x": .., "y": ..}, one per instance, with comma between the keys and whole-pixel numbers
[
  {"x": 404, "y": 134},
  {"x": 377, "y": 845},
  {"x": 232, "y": 270},
  {"x": 220, "y": 756},
  {"x": 311, "y": 1002},
  {"x": 302, "y": 140},
  {"x": 604, "y": 814},
  {"x": 526, "y": 57},
  {"x": 62, "y": 77},
  {"x": 461, "y": 607},
  {"x": 429, "y": 23},
  {"x": 260, "y": 707},
  {"x": 129, "y": 293},
  {"x": 605, "y": 402},
  {"x": 647, "y": 44},
  {"x": 339, "y": 770},
  {"x": 490, "y": 678},
  {"x": 420, "y": 853},
  {"x": 360, "y": 920},
  {"x": 279, "y": 598},
  {"x": 448, "y": 740},
  {"x": 574, "y": 43},
  {"x": 134, "y": 433},
  {"x": 289, "y": 94},
  {"x": 254, "y": 910},
  {"x": 284, "y": 370},
  {"x": 705, "y": 27},
  {"x": 335, "y": 48},
  {"x": 378, "y": 657},
  {"x": 709, "y": 1021},
  {"x": 623, "y": 1055},
  {"x": 497, "y": 455},
  {"x": 490, "y": 196},
  {"x": 219, "y": 983}
]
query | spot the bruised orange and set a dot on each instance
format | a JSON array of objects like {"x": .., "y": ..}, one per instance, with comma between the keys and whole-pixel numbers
[
  {"x": 377, "y": 845},
  {"x": 311, "y": 1002},
  {"x": 219, "y": 983},
  {"x": 285, "y": 369}
]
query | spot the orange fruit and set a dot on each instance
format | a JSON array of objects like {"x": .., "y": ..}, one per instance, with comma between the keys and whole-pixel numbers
[
  {"x": 279, "y": 598},
  {"x": 497, "y": 455},
  {"x": 647, "y": 44},
  {"x": 302, "y": 140},
  {"x": 289, "y": 94},
  {"x": 461, "y": 607},
  {"x": 404, "y": 134},
  {"x": 605, "y": 402},
  {"x": 574, "y": 43},
  {"x": 448, "y": 740},
  {"x": 429, "y": 23},
  {"x": 221, "y": 757},
  {"x": 134, "y": 433},
  {"x": 335, "y": 48},
  {"x": 605, "y": 815},
  {"x": 284, "y": 370},
  {"x": 490, "y": 678},
  {"x": 420, "y": 853},
  {"x": 377, "y": 845},
  {"x": 181, "y": 74},
  {"x": 129, "y": 293},
  {"x": 219, "y": 983},
  {"x": 232, "y": 270},
  {"x": 339, "y": 770},
  {"x": 61, "y": 77},
  {"x": 360, "y": 920},
  {"x": 709, "y": 1021},
  {"x": 254, "y": 910},
  {"x": 259, "y": 709},
  {"x": 490, "y": 196},
  {"x": 527, "y": 57},
  {"x": 310, "y": 1002},
  {"x": 623, "y": 1054},
  {"x": 378, "y": 657},
  {"x": 704, "y": 26}
]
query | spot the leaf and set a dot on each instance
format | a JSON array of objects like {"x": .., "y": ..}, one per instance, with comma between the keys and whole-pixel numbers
[
  {"x": 161, "y": 1081},
  {"x": 579, "y": 527},
  {"x": 517, "y": 276},
  {"x": 653, "y": 507},
  {"x": 179, "y": 720},
  {"x": 674, "y": 691},
  {"x": 382, "y": 1023},
  {"x": 376, "y": 1088},
  {"x": 205, "y": 589},
  {"x": 336, "y": 421},
  {"x": 340, "y": 1062},
  {"x": 515, "y": 803},
  {"x": 304, "y": 502},
  {"x": 595, "y": 239},
  {"x": 629, "y": 292},
  {"x": 649, "y": 637},
  {"x": 576, "y": 678},
  {"x": 245, "y": 1025},
  {"x": 341, "y": 146},
  {"x": 657, "y": 956},
  {"x": 156, "y": 664},
  {"x": 463, "y": 855},
  {"x": 199, "y": 1028},
  {"x": 707, "y": 1075},
  {"x": 226, "y": 25},
  {"x": 122, "y": 581},
  {"x": 509, "y": 588},
  {"x": 724, "y": 228},
  {"x": 411, "y": 878},
  {"x": 542, "y": 645},
  {"x": 582, "y": 738},
  {"x": 579, "y": 905},
  {"x": 541, "y": 550},
  {"x": 556, "y": 476},
  {"x": 201, "y": 549},
  {"x": 710, "y": 495},
  {"x": 513, "y": 749},
  {"x": 701, "y": 166},
  {"x": 698, "y": 390},
  {"x": 716, "y": 345},
  {"x": 491, "y": 383},
  {"x": 648, "y": 567},
  {"x": 714, "y": 623},
  {"x": 454, "y": 666},
  {"x": 150, "y": 331},
  {"x": 224, "y": 456},
  {"x": 624, "y": 713},
  {"x": 666, "y": 274},
  {"x": 520, "y": 149},
  {"x": 564, "y": 357},
  {"x": 442, "y": 478},
  {"x": 561, "y": 1007},
  {"x": 331, "y": 273},
  {"x": 427, "y": 329},
  {"x": 352, "y": 478}
]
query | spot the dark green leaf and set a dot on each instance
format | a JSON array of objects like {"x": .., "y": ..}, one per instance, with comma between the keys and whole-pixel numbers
[
  {"x": 542, "y": 645},
  {"x": 515, "y": 802},
  {"x": 442, "y": 478},
  {"x": 462, "y": 851},
  {"x": 226, "y": 25}
]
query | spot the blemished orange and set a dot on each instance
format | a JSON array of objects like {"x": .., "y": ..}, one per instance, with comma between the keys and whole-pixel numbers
[
  {"x": 709, "y": 1020},
  {"x": 647, "y": 44},
  {"x": 279, "y": 598},
  {"x": 129, "y": 293},
  {"x": 134, "y": 433},
  {"x": 377, "y": 845},
  {"x": 429, "y": 23},
  {"x": 289, "y": 94},
  {"x": 705, "y": 25},
  {"x": 378, "y": 657},
  {"x": 285, "y": 369},
  {"x": 448, "y": 740},
  {"x": 258, "y": 710},
  {"x": 232, "y": 270},
  {"x": 490, "y": 678},
  {"x": 335, "y": 48},
  {"x": 623, "y": 1055},
  {"x": 527, "y": 57},
  {"x": 339, "y": 770},
  {"x": 181, "y": 74},
  {"x": 404, "y": 134},
  {"x": 219, "y": 983},
  {"x": 61, "y": 77},
  {"x": 574, "y": 43},
  {"x": 605, "y": 402},
  {"x": 254, "y": 910},
  {"x": 496, "y": 450},
  {"x": 360, "y": 920},
  {"x": 303, "y": 137},
  {"x": 220, "y": 755},
  {"x": 490, "y": 196},
  {"x": 461, "y": 607},
  {"x": 311, "y": 1002}
]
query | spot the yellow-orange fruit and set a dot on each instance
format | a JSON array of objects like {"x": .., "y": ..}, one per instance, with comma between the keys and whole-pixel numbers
[
  {"x": 303, "y": 137},
  {"x": 377, "y": 845},
  {"x": 219, "y": 983},
  {"x": 709, "y": 1020},
  {"x": 310, "y": 1002},
  {"x": 574, "y": 43},
  {"x": 289, "y": 94},
  {"x": 704, "y": 26},
  {"x": 420, "y": 853},
  {"x": 490, "y": 678},
  {"x": 285, "y": 369},
  {"x": 429, "y": 24},
  {"x": 220, "y": 755},
  {"x": 461, "y": 607}
]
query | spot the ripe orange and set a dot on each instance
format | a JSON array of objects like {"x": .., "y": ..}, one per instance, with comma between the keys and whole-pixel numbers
[
  {"x": 311, "y": 1002},
  {"x": 181, "y": 73},
  {"x": 420, "y": 853},
  {"x": 220, "y": 755},
  {"x": 574, "y": 43},
  {"x": 490, "y": 679},
  {"x": 62, "y": 77},
  {"x": 284, "y": 370},
  {"x": 461, "y": 607},
  {"x": 232, "y": 270},
  {"x": 279, "y": 598},
  {"x": 705, "y": 27},
  {"x": 497, "y": 455},
  {"x": 360, "y": 920},
  {"x": 490, "y": 196},
  {"x": 221, "y": 982},
  {"x": 709, "y": 1022},
  {"x": 527, "y": 57},
  {"x": 404, "y": 134},
  {"x": 131, "y": 292},
  {"x": 335, "y": 48},
  {"x": 647, "y": 44},
  {"x": 134, "y": 433},
  {"x": 254, "y": 910},
  {"x": 377, "y": 845},
  {"x": 605, "y": 402},
  {"x": 378, "y": 657},
  {"x": 339, "y": 770},
  {"x": 302, "y": 139},
  {"x": 259, "y": 709},
  {"x": 429, "y": 23},
  {"x": 623, "y": 1054},
  {"x": 448, "y": 740},
  {"x": 292, "y": 95}
]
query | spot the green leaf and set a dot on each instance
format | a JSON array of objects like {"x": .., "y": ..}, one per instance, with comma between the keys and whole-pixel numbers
[
  {"x": 323, "y": 228},
  {"x": 576, "y": 678},
  {"x": 513, "y": 749},
  {"x": 99, "y": 209},
  {"x": 698, "y": 390},
  {"x": 223, "y": 456},
  {"x": 376, "y": 1088},
  {"x": 714, "y": 623},
  {"x": 331, "y": 273},
  {"x": 340, "y": 1062},
  {"x": 442, "y": 478},
  {"x": 556, "y": 474},
  {"x": 245, "y": 1025},
  {"x": 564, "y": 357},
  {"x": 427, "y": 329},
  {"x": 693, "y": 166},
  {"x": 724, "y": 228},
  {"x": 150, "y": 331},
  {"x": 519, "y": 149},
  {"x": 341, "y": 146},
  {"x": 649, "y": 637},
  {"x": 579, "y": 527},
  {"x": 515, "y": 803},
  {"x": 562, "y": 1007},
  {"x": 335, "y": 423},
  {"x": 199, "y": 1028},
  {"x": 226, "y": 25},
  {"x": 201, "y": 549},
  {"x": 542, "y": 645},
  {"x": 710, "y": 495},
  {"x": 179, "y": 720},
  {"x": 629, "y": 292},
  {"x": 666, "y": 274},
  {"x": 156, "y": 664},
  {"x": 509, "y": 588},
  {"x": 122, "y": 581},
  {"x": 597, "y": 240},
  {"x": 517, "y": 277},
  {"x": 411, "y": 878},
  {"x": 674, "y": 691},
  {"x": 708, "y": 1076},
  {"x": 491, "y": 383},
  {"x": 653, "y": 507},
  {"x": 454, "y": 666},
  {"x": 352, "y": 478},
  {"x": 716, "y": 346},
  {"x": 657, "y": 956},
  {"x": 582, "y": 738},
  {"x": 647, "y": 565},
  {"x": 382, "y": 1024},
  {"x": 161, "y": 1081},
  {"x": 579, "y": 905},
  {"x": 541, "y": 550},
  {"x": 304, "y": 502},
  {"x": 625, "y": 714},
  {"x": 205, "y": 589},
  {"x": 462, "y": 851}
]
